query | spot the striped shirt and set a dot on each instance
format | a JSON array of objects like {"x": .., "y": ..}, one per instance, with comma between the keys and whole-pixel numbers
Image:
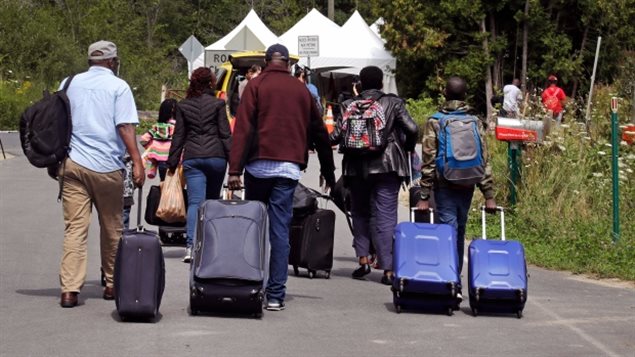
[{"x": 272, "y": 168}]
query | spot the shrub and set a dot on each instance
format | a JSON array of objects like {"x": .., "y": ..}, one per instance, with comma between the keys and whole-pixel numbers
[
  {"x": 564, "y": 211},
  {"x": 15, "y": 96}
]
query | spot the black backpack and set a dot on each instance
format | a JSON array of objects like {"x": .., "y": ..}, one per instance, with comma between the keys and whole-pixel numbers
[{"x": 45, "y": 129}]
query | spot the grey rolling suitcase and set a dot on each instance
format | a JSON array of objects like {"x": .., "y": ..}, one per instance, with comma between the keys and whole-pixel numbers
[
  {"x": 139, "y": 278},
  {"x": 230, "y": 261}
]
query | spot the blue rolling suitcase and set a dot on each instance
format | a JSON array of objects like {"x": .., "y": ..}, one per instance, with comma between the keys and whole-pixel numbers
[
  {"x": 497, "y": 273},
  {"x": 425, "y": 266}
]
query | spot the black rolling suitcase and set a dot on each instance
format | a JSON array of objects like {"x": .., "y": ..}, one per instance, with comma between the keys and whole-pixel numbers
[
  {"x": 230, "y": 258},
  {"x": 169, "y": 233},
  {"x": 311, "y": 238},
  {"x": 139, "y": 278}
]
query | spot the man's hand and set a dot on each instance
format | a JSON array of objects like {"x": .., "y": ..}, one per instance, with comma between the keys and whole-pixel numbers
[
  {"x": 138, "y": 174},
  {"x": 490, "y": 205},
  {"x": 423, "y": 205},
  {"x": 234, "y": 182}
]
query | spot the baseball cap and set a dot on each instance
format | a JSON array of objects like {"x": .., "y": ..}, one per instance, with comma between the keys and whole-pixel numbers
[
  {"x": 107, "y": 49},
  {"x": 281, "y": 49},
  {"x": 552, "y": 78}
]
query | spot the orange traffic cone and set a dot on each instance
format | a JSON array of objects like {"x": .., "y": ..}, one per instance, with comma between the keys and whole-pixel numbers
[{"x": 328, "y": 119}]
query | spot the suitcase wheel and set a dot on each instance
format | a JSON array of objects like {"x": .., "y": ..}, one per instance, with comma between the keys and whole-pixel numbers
[
  {"x": 519, "y": 314},
  {"x": 474, "y": 311},
  {"x": 311, "y": 274},
  {"x": 296, "y": 271},
  {"x": 193, "y": 312},
  {"x": 398, "y": 308},
  {"x": 450, "y": 311},
  {"x": 328, "y": 274},
  {"x": 258, "y": 315}
]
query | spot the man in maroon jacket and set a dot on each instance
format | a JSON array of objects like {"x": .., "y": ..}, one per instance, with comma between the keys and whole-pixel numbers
[{"x": 276, "y": 121}]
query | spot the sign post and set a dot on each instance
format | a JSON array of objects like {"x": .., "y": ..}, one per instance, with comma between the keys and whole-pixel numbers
[
  {"x": 309, "y": 46},
  {"x": 215, "y": 58},
  {"x": 616, "y": 187},
  {"x": 191, "y": 49}
]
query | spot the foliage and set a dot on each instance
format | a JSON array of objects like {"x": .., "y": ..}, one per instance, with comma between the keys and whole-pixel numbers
[
  {"x": 15, "y": 96},
  {"x": 420, "y": 110}
]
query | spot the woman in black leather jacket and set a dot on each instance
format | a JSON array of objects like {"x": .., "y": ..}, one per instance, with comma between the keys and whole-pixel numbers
[
  {"x": 203, "y": 136},
  {"x": 374, "y": 179}
]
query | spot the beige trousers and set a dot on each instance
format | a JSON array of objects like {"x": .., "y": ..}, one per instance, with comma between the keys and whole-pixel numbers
[{"x": 82, "y": 189}]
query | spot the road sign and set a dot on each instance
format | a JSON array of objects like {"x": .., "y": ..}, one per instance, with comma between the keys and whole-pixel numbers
[
  {"x": 214, "y": 58},
  {"x": 191, "y": 49},
  {"x": 308, "y": 46},
  {"x": 614, "y": 104}
]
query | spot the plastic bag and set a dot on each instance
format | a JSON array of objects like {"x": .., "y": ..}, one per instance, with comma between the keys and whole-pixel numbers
[{"x": 172, "y": 204}]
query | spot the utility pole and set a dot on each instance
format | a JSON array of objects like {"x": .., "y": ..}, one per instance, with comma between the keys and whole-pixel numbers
[
  {"x": 331, "y": 10},
  {"x": 523, "y": 81}
]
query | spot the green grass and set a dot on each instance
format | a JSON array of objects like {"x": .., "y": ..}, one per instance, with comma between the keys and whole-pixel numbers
[{"x": 564, "y": 211}]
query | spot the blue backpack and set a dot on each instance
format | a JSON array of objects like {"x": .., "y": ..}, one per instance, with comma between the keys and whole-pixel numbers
[{"x": 460, "y": 152}]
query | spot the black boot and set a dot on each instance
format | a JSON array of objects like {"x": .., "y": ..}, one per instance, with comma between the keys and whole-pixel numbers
[{"x": 364, "y": 269}]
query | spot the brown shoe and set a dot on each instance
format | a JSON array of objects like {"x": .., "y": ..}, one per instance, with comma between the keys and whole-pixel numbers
[
  {"x": 69, "y": 299},
  {"x": 109, "y": 293}
]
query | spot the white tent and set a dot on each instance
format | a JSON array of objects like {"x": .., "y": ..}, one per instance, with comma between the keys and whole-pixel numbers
[
  {"x": 375, "y": 27},
  {"x": 369, "y": 49},
  {"x": 315, "y": 24},
  {"x": 345, "y": 49},
  {"x": 251, "y": 34}
]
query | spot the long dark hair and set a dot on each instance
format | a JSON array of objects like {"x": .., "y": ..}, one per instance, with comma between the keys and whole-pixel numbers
[
  {"x": 166, "y": 110},
  {"x": 201, "y": 82}
]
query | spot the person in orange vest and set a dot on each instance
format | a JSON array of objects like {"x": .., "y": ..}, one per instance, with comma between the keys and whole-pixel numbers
[{"x": 553, "y": 98}]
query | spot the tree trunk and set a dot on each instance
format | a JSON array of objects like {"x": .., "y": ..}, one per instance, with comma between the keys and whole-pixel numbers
[
  {"x": 488, "y": 74},
  {"x": 576, "y": 81},
  {"x": 523, "y": 73},
  {"x": 331, "y": 10},
  {"x": 496, "y": 77}
]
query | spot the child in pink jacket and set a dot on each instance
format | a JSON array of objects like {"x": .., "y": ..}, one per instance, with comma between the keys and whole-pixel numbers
[{"x": 158, "y": 139}]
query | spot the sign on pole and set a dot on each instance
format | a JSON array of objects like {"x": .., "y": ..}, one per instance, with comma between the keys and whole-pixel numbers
[
  {"x": 615, "y": 165},
  {"x": 309, "y": 46},
  {"x": 191, "y": 49},
  {"x": 215, "y": 58}
]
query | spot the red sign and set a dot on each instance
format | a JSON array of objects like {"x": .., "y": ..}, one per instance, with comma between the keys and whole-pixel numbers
[
  {"x": 515, "y": 134},
  {"x": 614, "y": 104}
]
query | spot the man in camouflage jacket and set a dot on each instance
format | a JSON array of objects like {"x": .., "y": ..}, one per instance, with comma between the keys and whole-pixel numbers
[{"x": 453, "y": 201}]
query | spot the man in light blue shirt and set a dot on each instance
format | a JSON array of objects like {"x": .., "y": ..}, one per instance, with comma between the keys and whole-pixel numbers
[{"x": 104, "y": 116}]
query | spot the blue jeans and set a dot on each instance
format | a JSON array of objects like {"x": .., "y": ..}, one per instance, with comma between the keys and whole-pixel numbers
[
  {"x": 126, "y": 216},
  {"x": 374, "y": 202},
  {"x": 453, "y": 206},
  {"x": 277, "y": 193},
  {"x": 204, "y": 178}
]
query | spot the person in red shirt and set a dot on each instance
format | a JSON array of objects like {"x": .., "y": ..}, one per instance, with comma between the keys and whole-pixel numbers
[{"x": 553, "y": 98}]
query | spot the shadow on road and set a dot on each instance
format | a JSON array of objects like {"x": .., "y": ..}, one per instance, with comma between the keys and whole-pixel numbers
[
  {"x": 92, "y": 289},
  {"x": 115, "y": 317}
]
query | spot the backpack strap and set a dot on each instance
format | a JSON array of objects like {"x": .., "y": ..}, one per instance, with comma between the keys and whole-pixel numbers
[
  {"x": 67, "y": 83},
  {"x": 61, "y": 174}
]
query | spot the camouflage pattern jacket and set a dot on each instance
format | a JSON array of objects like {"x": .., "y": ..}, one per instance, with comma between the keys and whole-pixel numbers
[{"x": 429, "y": 177}]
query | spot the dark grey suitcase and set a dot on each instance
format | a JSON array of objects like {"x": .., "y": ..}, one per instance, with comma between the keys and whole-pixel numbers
[
  {"x": 230, "y": 258},
  {"x": 311, "y": 240},
  {"x": 139, "y": 278}
]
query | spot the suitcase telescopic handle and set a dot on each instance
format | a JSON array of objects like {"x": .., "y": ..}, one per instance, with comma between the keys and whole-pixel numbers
[
  {"x": 502, "y": 211},
  {"x": 226, "y": 195},
  {"x": 414, "y": 209},
  {"x": 139, "y": 203}
]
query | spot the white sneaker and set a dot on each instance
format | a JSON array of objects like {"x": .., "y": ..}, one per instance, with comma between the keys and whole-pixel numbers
[
  {"x": 188, "y": 255},
  {"x": 275, "y": 305}
]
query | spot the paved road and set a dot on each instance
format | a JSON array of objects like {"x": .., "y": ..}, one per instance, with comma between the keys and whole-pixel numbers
[{"x": 565, "y": 315}]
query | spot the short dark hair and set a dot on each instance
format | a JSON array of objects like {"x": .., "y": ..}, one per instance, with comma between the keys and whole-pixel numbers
[
  {"x": 455, "y": 88},
  {"x": 166, "y": 110},
  {"x": 371, "y": 77}
]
